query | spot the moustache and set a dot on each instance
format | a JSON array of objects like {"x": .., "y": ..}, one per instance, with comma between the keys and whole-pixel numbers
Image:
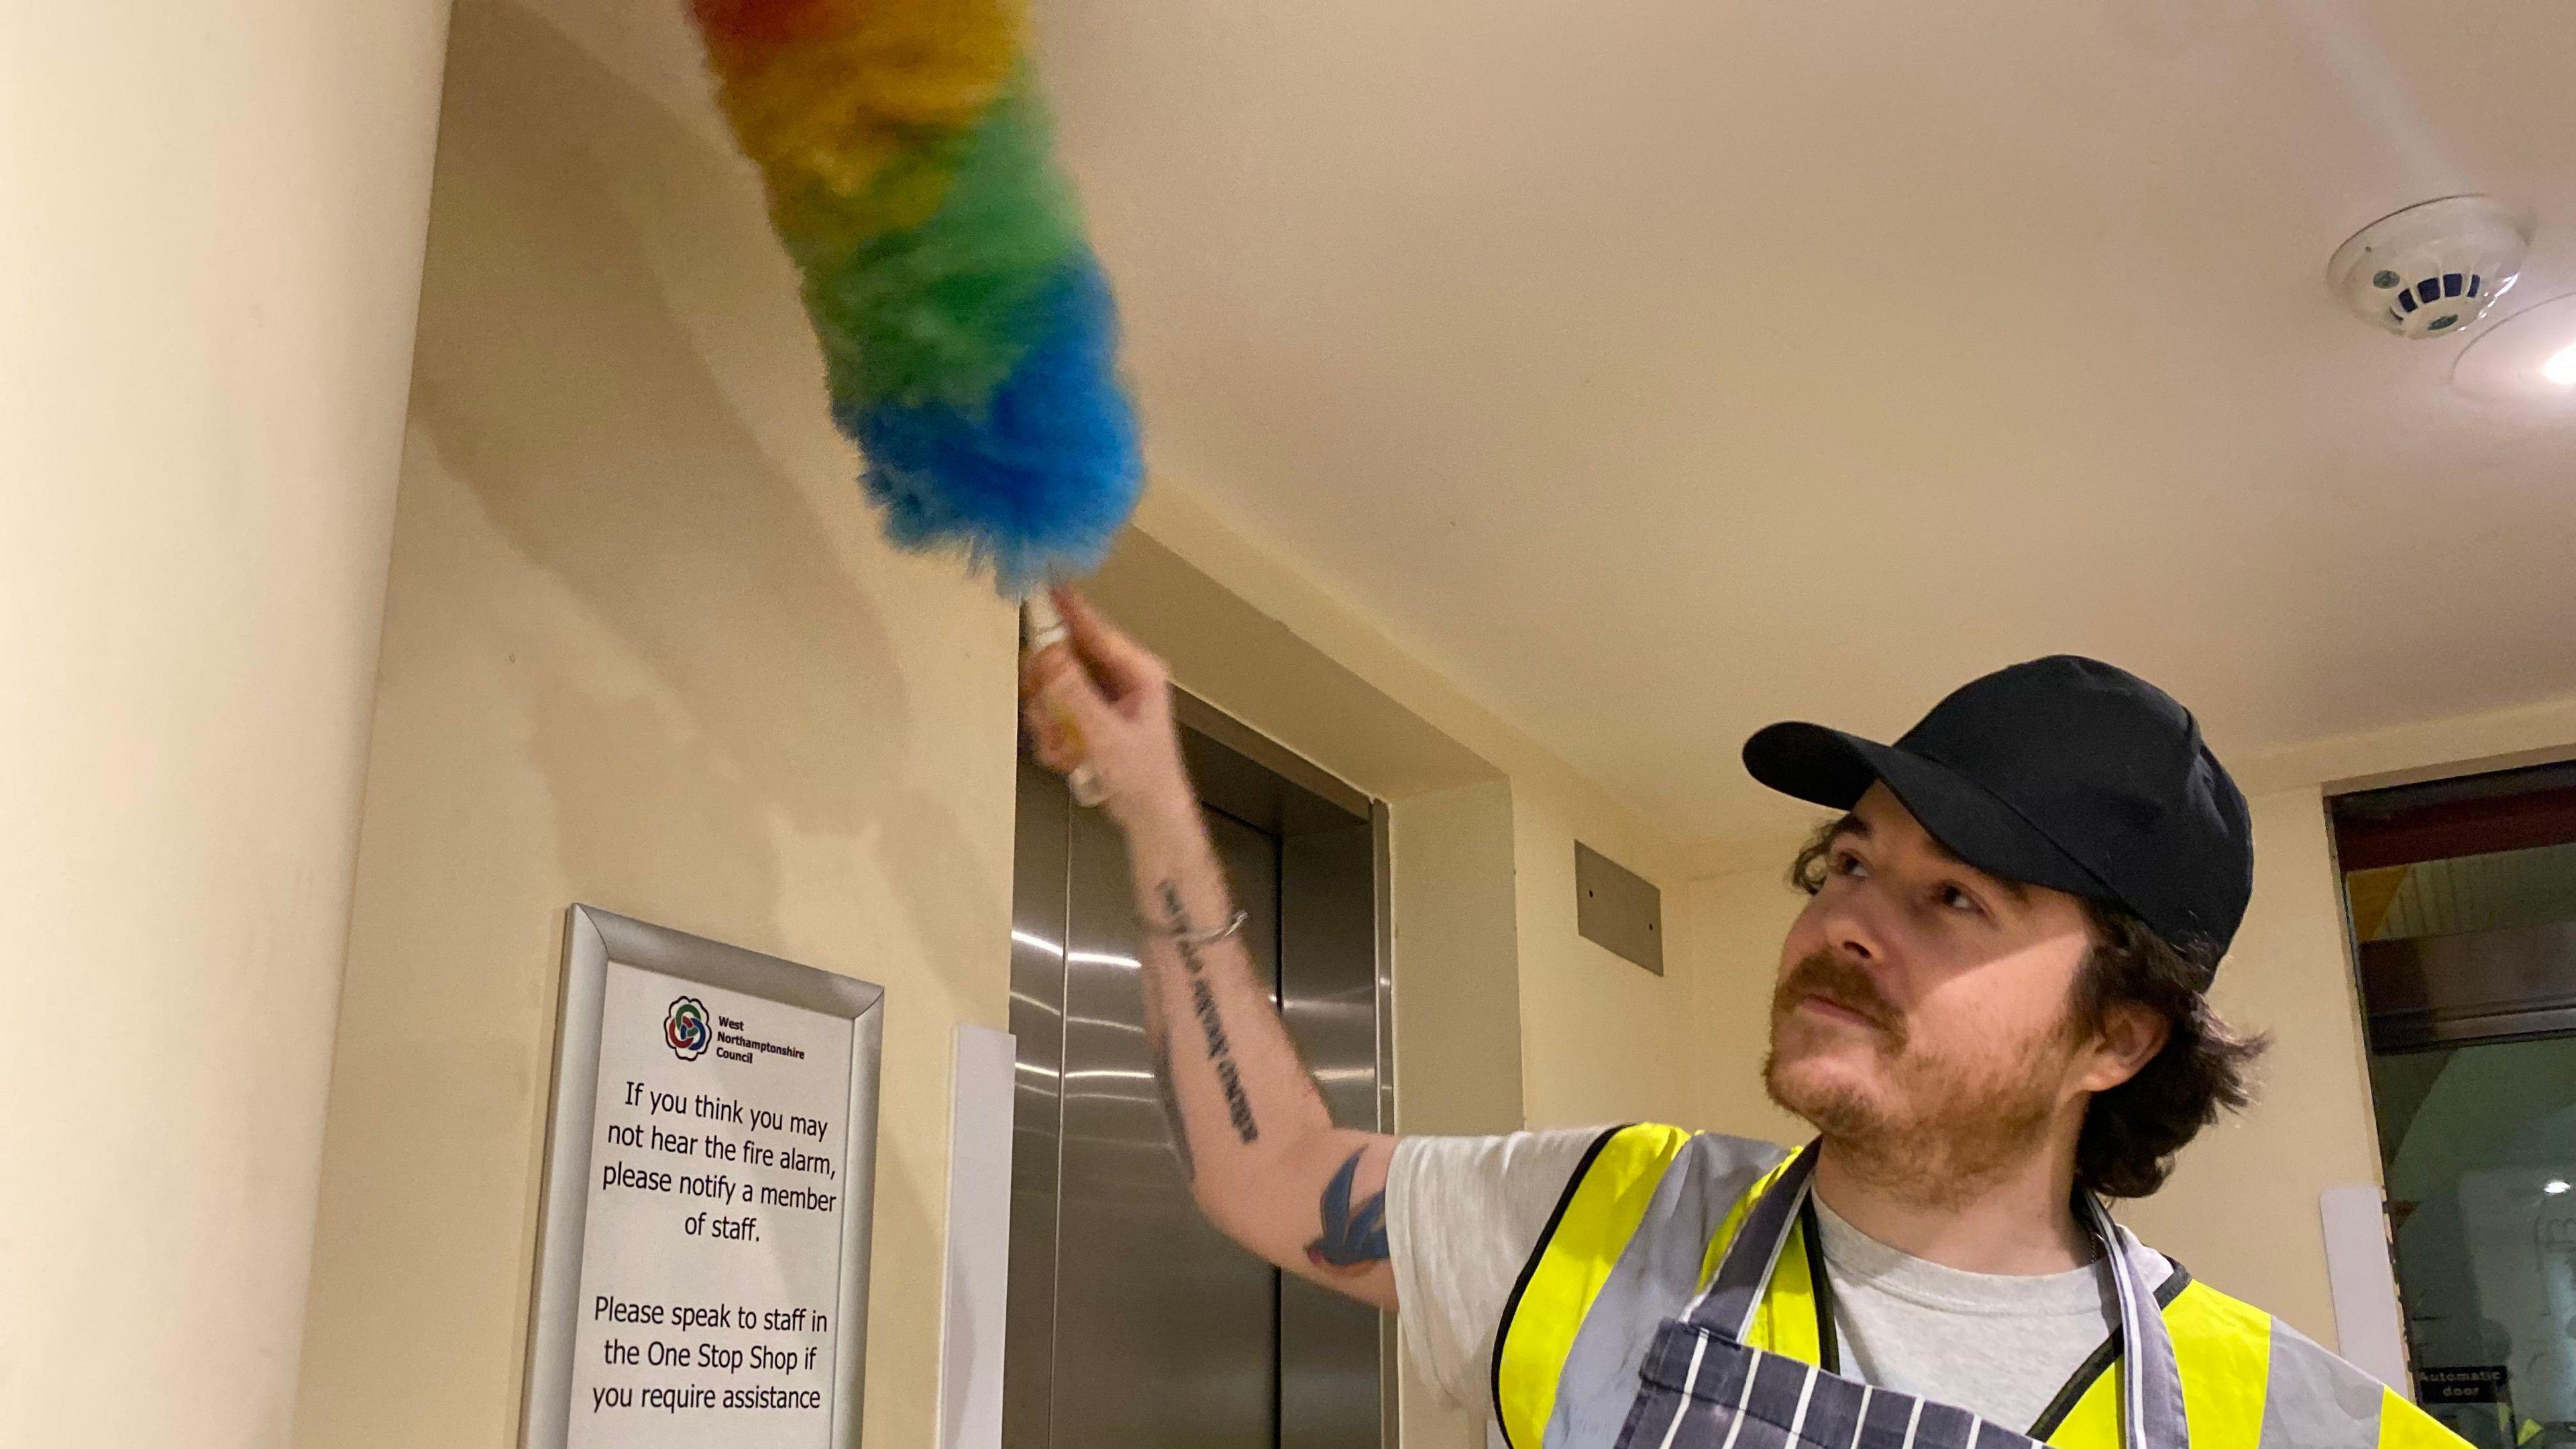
[{"x": 1844, "y": 983}]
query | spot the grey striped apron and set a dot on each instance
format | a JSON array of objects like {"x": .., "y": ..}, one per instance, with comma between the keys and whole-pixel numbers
[{"x": 1703, "y": 1388}]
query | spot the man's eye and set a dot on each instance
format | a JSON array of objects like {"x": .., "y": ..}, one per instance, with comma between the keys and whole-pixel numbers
[
  {"x": 1953, "y": 898},
  {"x": 1846, "y": 863}
]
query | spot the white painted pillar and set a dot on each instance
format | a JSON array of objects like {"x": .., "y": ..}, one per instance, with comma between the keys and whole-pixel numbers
[{"x": 211, "y": 223}]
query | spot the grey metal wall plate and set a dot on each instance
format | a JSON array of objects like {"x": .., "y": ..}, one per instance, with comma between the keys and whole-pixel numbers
[
  {"x": 714, "y": 977},
  {"x": 1618, "y": 909}
]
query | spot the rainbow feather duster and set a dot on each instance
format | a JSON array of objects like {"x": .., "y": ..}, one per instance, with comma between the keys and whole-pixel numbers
[{"x": 968, "y": 335}]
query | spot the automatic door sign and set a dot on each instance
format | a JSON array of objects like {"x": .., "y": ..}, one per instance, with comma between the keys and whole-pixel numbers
[{"x": 2460, "y": 1385}]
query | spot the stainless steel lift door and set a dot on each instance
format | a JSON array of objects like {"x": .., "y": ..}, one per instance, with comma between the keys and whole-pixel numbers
[{"x": 1133, "y": 1324}]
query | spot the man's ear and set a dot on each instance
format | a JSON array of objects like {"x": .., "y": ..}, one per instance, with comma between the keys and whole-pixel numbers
[{"x": 2131, "y": 1036}]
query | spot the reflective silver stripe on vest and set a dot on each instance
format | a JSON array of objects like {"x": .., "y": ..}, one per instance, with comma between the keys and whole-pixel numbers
[
  {"x": 1735, "y": 1293},
  {"x": 1654, "y": 1279},
  {"x": 2314, "y": 1400}
]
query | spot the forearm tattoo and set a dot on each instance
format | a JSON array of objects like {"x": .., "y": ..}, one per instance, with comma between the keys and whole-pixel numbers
[
  {"x": 1172, "y": 1108},
  {"x": 1238, "y": 1106},
  {"x": 1354, "y": 1237}
]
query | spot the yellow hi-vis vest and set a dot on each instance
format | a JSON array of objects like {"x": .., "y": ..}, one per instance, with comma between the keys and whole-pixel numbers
[{"x": 1650, "y": 1210}]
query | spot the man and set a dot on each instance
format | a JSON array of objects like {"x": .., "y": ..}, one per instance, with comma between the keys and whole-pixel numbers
[{"x": 1992, "y": 1013}]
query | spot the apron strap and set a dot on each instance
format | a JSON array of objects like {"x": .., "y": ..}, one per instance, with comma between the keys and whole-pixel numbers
[{"x": 2151, "y": 1407}]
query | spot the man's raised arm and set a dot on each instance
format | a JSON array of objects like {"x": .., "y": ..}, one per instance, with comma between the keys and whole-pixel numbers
[{"x": 1265, "y": 1161}]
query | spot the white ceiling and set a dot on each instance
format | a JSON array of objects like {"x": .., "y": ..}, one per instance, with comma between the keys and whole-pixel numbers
[{"x": 1660, "y": 368}]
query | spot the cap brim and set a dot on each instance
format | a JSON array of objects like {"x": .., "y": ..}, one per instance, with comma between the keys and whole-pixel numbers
[{"x": 1833, "y": 769}]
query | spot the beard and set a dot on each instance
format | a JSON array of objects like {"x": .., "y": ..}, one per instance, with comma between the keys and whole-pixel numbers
[{"x": 1934, "y": 1126}]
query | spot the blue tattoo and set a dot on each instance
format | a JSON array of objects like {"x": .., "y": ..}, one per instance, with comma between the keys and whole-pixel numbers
[{"x": 1353, "y": 1237}]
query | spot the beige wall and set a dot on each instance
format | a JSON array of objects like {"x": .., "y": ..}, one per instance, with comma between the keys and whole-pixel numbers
[
  {"x": 1737, "y": 922},
  {"x": 210, "y": 233},
  {"x": 2241, "y": 1209},
  {"x": 1457, "y": 1036},
  {"x": 643, "y": 650},
  {"x": 1601, "y": 1040}
]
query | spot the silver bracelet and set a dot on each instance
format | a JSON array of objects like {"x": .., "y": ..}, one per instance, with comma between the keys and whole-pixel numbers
[{"x": 1209, "y": 938}]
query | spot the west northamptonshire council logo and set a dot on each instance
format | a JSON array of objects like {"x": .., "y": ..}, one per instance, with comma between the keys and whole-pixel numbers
[{"x": 684, "y": 1028}]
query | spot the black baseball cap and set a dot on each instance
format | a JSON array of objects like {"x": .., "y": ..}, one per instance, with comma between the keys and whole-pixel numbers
[{"x": 2063, "y": 772}]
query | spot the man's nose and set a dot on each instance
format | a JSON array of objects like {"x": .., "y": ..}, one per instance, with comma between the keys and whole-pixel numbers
[
  {"x": 1866, "y": 929},
  {"x": 1855, "y": 928}
]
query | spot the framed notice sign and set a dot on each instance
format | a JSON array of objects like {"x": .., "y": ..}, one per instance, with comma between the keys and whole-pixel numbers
[{"x": 702, "y": 1260}]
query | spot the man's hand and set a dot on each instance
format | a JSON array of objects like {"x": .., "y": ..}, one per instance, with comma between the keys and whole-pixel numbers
[{"x": 1101, "y": 700}]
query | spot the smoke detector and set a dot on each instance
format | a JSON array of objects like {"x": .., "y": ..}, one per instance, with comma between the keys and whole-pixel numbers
[{"x": 2433, "y": 268}]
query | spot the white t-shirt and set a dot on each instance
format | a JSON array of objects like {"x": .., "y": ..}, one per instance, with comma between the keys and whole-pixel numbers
[{"x": 1464, "y": 1213}]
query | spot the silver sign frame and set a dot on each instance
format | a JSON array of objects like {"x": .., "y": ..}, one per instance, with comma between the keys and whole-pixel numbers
[{"x": 592, "y": 939}]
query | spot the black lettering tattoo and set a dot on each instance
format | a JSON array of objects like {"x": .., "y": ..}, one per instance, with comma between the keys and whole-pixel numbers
[
  {"x": 1238, "y": 1106},
  {"x": 1354, "y": 1237},
  {"x": 1172, "y": 1109}
]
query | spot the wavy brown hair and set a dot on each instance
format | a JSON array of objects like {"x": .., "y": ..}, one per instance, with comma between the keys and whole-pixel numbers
[{"x": 2133, "y": 1131}]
